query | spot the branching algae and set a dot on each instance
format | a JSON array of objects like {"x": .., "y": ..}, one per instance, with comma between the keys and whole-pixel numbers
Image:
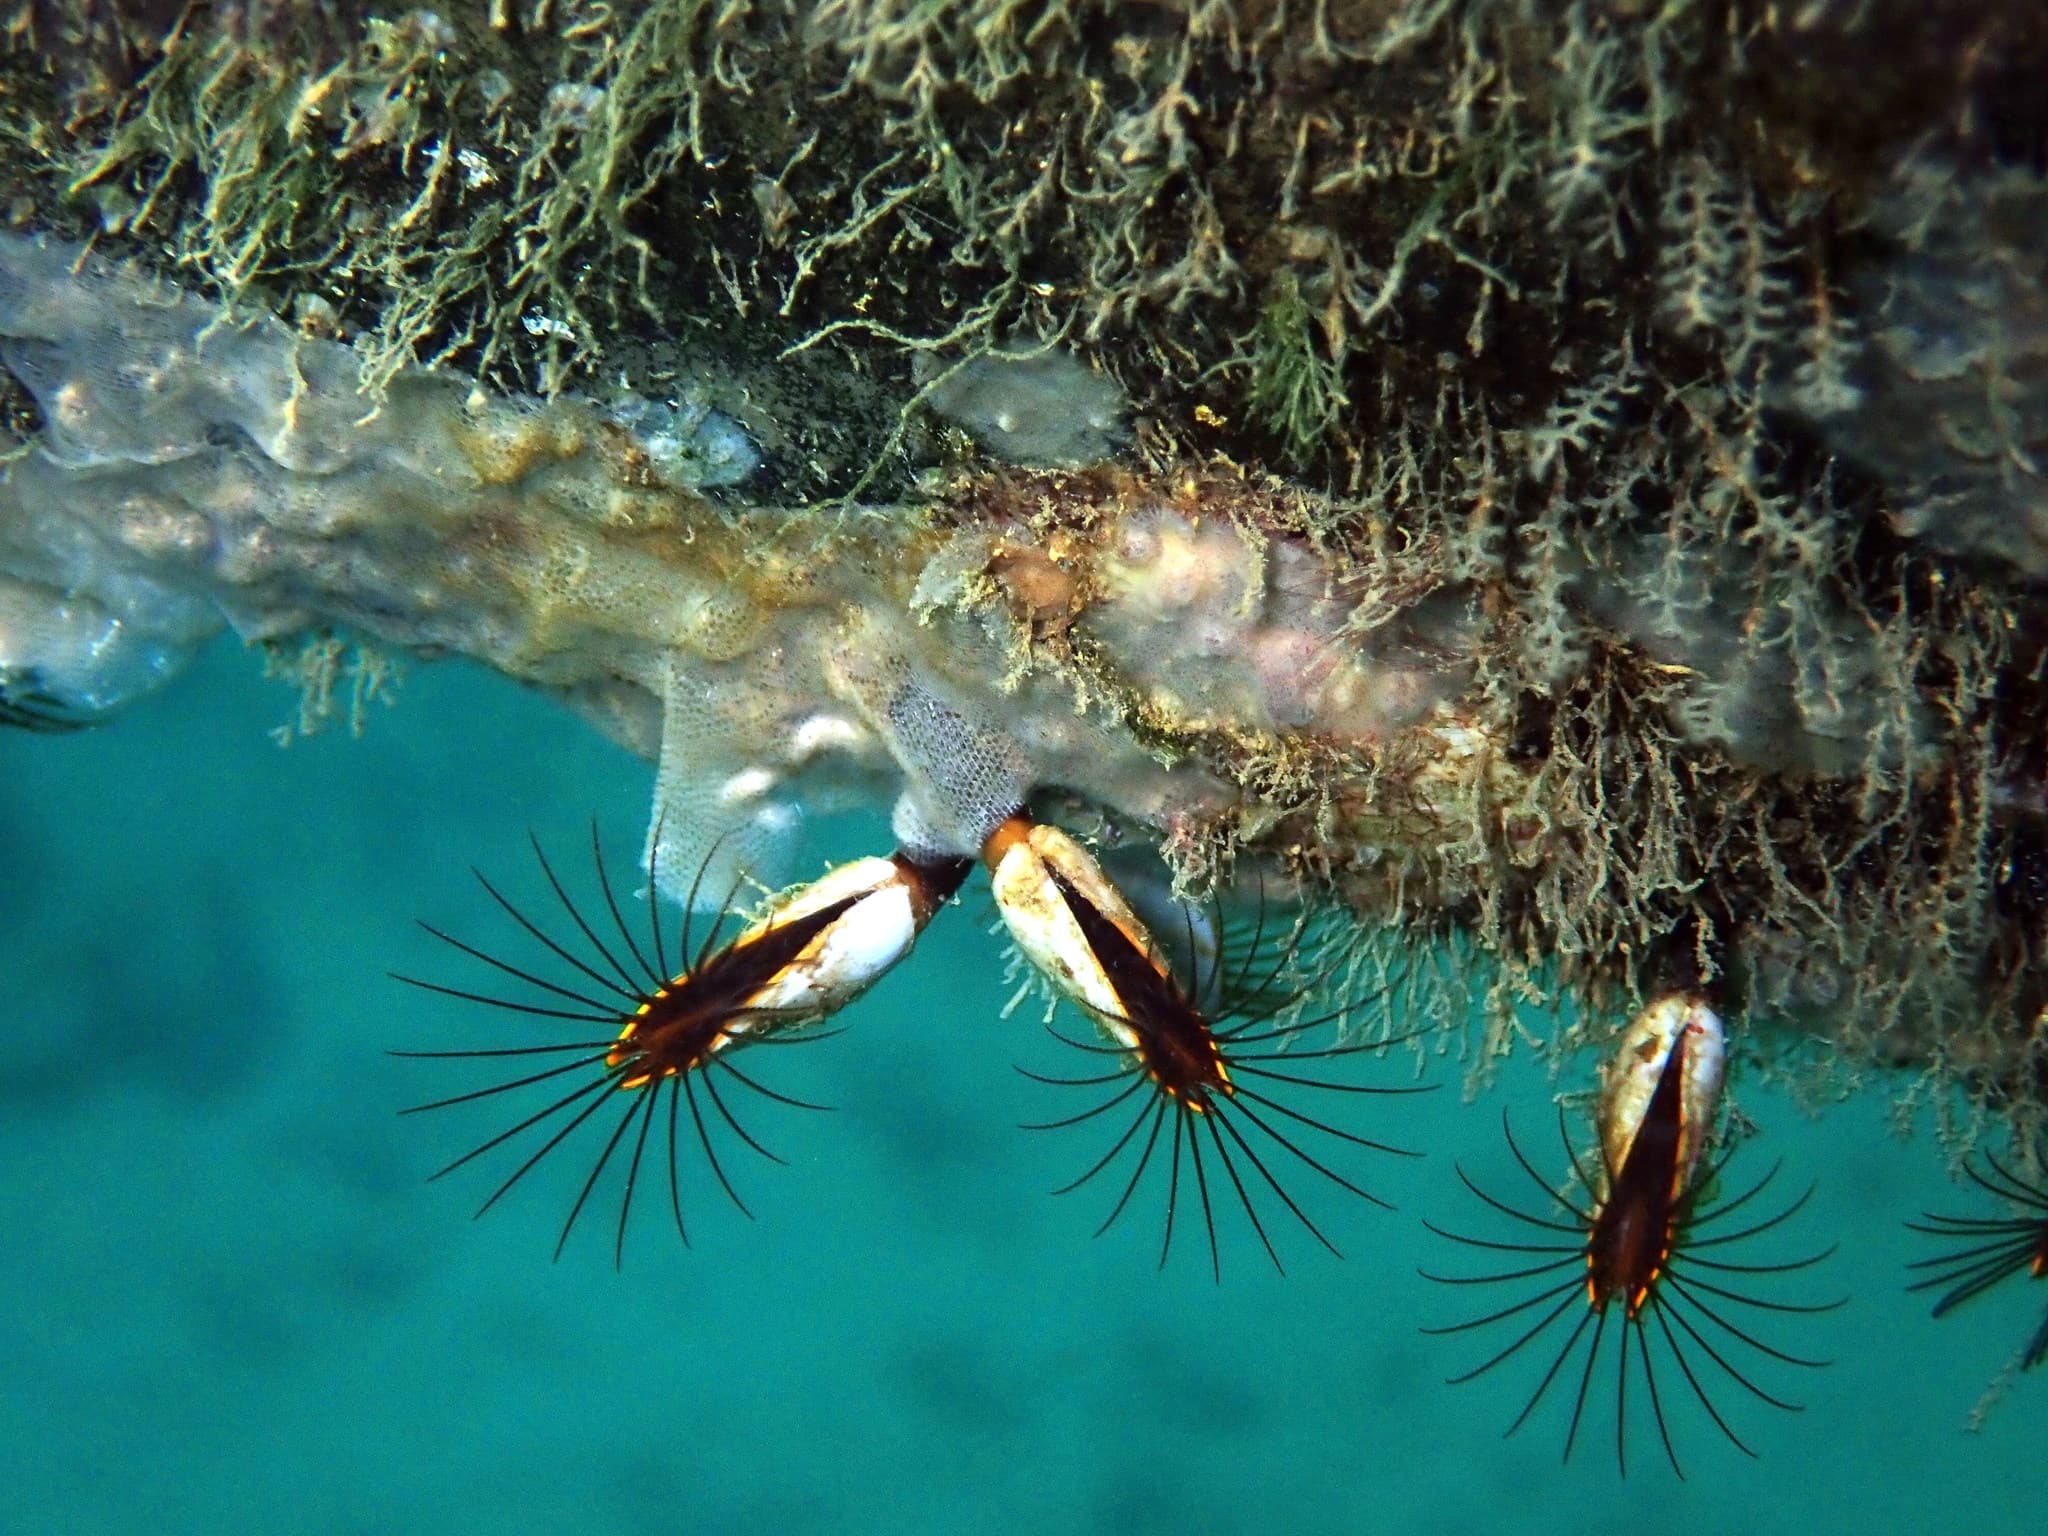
[{"x": 1548, "y": 494}]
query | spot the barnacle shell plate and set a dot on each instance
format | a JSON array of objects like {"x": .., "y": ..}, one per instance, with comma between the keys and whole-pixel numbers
[
  {"x": 1043, "y": 927},
  {"x": 1630, "y": 1081},
  {"x": 853, "y": 951}
]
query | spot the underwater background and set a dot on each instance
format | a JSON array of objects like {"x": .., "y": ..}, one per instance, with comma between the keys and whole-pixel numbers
[{"x": 234, "y": 1304}]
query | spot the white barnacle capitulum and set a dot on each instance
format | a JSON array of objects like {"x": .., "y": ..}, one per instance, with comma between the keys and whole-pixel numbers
[
  {"x": 1037, "y": 874},
  {"x": 806, "y": 954},
  {"x": 1672, "y": 1023},
  {"x": 1202, "y": 1076},
  {"x": 853, "y": 923},
  {"x": 1627, "y": 1255}
]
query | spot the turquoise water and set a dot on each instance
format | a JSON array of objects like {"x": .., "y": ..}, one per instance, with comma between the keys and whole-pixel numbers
[{"x": 232, "y": 1304}]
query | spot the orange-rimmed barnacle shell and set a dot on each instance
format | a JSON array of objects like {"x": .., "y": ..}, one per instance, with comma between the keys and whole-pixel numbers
[
  {"x": 1628, "y": 1086},
  {"x": 872, "y": 911},
  {"x": 674, "y": 1021},
  {"x": 1028, "y": 862},
  {"x": 1637, "y": 1248},
  {"x": 1203, "y": 1049}
]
